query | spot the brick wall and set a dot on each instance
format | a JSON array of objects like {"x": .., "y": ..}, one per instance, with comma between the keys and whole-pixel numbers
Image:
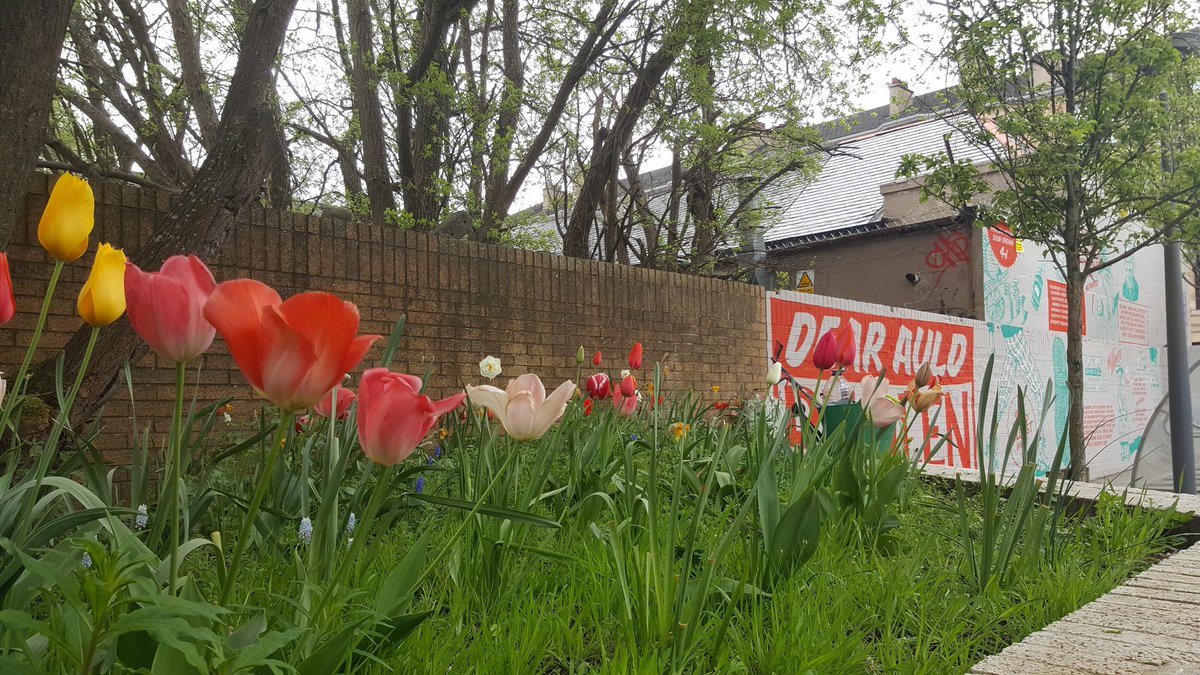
[{"x": 464, "y": 300}]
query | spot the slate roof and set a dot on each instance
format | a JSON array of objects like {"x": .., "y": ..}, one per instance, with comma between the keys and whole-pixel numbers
[{"x": 845, "y": 195}]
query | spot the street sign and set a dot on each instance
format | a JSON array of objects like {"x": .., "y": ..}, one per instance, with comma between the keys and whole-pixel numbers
[{"x": 807, "y": 282}]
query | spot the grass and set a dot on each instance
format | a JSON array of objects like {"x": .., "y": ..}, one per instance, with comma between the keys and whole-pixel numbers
[{"x": 558, "y": 607}]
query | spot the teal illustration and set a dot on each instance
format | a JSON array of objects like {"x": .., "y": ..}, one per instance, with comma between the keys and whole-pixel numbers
[
  {"x": 1035, "y": 294},
  {"x": 1129, "y": 289},
  {"x": 1062, "y": 397}
]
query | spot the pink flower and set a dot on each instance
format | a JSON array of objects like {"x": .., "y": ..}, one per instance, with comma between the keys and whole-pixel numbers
[
  {"x": 624, "y": 405},
  {"x": 166, "y": 307},
  {"x": 345, "y": 399},
  {"x": 394, "y": 417},
  {"x": 523, "y": 409},
  {"x": 598, "y": 386},
  {"x": 8, "y": 303},
  {"x": 882, "y": 411}
]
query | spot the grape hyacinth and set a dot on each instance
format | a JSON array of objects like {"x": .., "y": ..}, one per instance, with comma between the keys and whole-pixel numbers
[
  {"x": 86, "y": 561},
  {"x": 305, "y": 531},
  {"x": 420, "y": 487},
  {"x": 350, "y": 523},
  {"x": 142, "y": 518}
]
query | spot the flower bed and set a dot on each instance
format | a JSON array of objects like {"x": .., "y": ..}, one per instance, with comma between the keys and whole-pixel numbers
[{"x": 618, "y": 527}]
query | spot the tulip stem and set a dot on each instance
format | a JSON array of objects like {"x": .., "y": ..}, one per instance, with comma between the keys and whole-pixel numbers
[
  {"x": 174, "y": 475},
  {"x": 461, "y": 526},
  {"x": 18, "y": 385},
  {"x": 50, "y": 449},
  {"x": 368, "y": 524},
  {"x": 260, "y": 491}
]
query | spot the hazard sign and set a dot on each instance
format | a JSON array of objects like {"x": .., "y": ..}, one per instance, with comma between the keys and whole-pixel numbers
[{"x": 807, "y": 282}]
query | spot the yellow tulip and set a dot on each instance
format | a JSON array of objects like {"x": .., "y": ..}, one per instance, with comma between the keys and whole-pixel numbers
[
  {"x": 102, "y": 300},
  {"x": 68, "y": 218}
]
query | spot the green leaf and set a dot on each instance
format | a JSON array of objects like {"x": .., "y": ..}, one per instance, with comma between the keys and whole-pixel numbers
[
  {"x": 489, "y": 510},
  {"x": 327, "y": 657},
  {"x": 397, "y": 589},
  {"x": 248, "y": 633}
]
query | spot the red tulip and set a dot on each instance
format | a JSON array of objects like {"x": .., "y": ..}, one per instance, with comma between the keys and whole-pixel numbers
[
  {"x": 825, "y": 353},
  {"x": 8, "y": 303},
  {"x": 596, "y": 359},
  {"x": 587, "y": 407},
  {"x": 345, "y": 399},
  {"x": 394, "y": 417},
  {"x": 846, "y": 351},
  {"x": 598, "y": 386},
  {"x": 166, "y": 307},
  {"x": 291, "y": 352},
  {"x": 301, "y": 423},
  {"x": 635, "y": 356},
  {"x": 628, "y": 386},
  {"x": 721, "y": 405}
]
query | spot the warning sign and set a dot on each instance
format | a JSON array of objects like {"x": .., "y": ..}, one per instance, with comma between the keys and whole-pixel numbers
[{"x": 806, "y": 282}]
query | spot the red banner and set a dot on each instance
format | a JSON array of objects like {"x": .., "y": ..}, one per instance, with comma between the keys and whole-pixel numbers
[{"x": 897, "y": 347}]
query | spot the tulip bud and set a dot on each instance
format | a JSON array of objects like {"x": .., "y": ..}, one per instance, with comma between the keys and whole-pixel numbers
[
  {"x": 923, "y": 375},
  {"x": 598, "y": 386},
  {"x": 580, "y": 356},
  {"x": 774, "y": 373},
  {"x": 628, "y": 386},
  {"x": 635, "y": 357},
  {"x": 8, "y": 303},
  {"x": 825, "y": 353},
  {"x": 846, "y": 350},
  {"x": 216, "y": 538},
  {"x": 596, "y": 359},
  {"x": 102, "y": 298},
  {"x": 68, "y": 218}
]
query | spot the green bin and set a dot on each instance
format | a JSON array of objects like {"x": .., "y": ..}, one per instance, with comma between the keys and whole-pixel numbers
[{"x": 848, "y": 414}]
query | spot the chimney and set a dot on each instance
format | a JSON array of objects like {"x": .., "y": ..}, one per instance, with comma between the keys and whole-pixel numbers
[{"x": 899, "y": 96}]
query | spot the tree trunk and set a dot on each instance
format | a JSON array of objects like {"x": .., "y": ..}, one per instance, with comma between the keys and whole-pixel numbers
[
  {"x": 506, "y": 121},
  {"x": 33, "y": 33},
  {"x": 1075, "y": 431},
  {"x": 692, "y": 17},
  {"x": 370, "y": 117},
  {"x": 187, "y": 45},
  {"x": 203, "y": 214}
]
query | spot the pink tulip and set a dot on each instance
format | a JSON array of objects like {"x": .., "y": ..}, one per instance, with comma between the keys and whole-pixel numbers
[
  {"x": 598, "y": 386},
  {"x": 882, "y": 411},
  {"x": 291, "y": 352},
  {"x": 345, "y": 399},
  {"x": 523, "y": 409},
  {"x": 394, "y": 417},
  {"x": 166, "y": 307},
  {"x": 624, "y": 404}
]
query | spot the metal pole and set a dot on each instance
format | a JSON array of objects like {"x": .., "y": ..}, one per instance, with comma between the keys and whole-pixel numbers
[{"x": 1179, "y": 384}]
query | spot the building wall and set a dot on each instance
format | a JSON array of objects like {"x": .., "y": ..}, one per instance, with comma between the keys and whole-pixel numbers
[
  {"x": 463, "y": 301},
  {"x": 873, "y": 268}
]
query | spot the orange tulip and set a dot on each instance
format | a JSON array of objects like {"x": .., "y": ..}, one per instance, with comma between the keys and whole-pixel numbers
[
  {"x": 345, "y": 399},
  {"x": 291, "y": 352},
  {"x": 8, "y": 303}
]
